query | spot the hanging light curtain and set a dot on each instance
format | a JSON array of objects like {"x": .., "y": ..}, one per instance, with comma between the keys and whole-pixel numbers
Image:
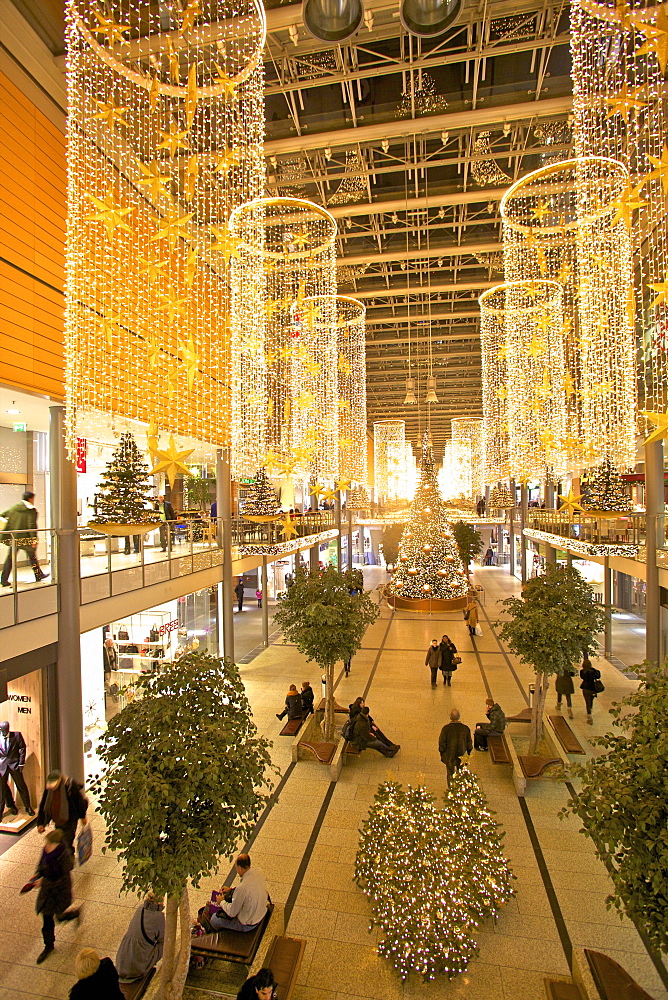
[{"x": 389, "y": 439}]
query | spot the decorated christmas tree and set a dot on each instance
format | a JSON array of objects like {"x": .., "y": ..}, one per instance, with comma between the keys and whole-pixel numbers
[
  {"x": 357, "y": 498},
  {"x": 500, "y": 498},
  {"x": 429, "y": 886},
  {"x": 429, "y": 566},
  {"x": 605, "y": 490},
  {"x": 123, "y": 495},
  {"x": 261, "y": 503},
  {"x": 476, "y": 841}
]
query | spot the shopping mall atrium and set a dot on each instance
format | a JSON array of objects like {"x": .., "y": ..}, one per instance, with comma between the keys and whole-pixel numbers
[{"x": 333, "y": 399}]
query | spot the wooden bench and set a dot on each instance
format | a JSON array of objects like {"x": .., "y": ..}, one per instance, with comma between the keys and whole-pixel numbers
[
  {"x": 284, "y": 958},
  {"x": 291, "y": 727},
  {"x": 523, "y": 716},
  {"x": 339, "y": 709},
  {"x": 612, "y": 981},
  {"x": 565, "y": 734},
  {"x": 232, "y": 946},
  {"x": 136, "y": 989},
  {"x": 498, "y": 749},
  {"x": 351, "y": 748},
  {"x": 557, "y": 989},
  {"x": 533, "y": 767},
  {"x": 323, "y": 752}
]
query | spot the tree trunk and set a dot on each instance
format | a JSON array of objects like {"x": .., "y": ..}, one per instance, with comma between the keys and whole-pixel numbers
[
  {"x": 174, "y": 968},
  {"x": 539, "y": 696},
  {"x": 329, "y": 702}
]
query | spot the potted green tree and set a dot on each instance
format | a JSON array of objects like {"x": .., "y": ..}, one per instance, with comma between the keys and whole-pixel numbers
[
  {"x": 184, "y": 772},
  {"x": 325, "y": 614},
  {"x": 550, "y": 626},
  {"x": 469, "y": 542},
  {"x": 390, "y": 541}
]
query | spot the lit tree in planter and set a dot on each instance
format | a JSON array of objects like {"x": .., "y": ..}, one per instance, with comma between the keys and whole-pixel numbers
[
  {"x": 261, "y": 503},
  {"x": 123, "y": 495},
  {"x": 605, "y": 491}
]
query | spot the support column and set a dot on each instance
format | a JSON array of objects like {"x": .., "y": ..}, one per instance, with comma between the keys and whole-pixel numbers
[
  {"x": 569, "y": 558},
  {"x": 337, "y": 510},
  {"x": 654, "y": 505},
  {"x": 63, "y": 488},
  {"x": 350, "y": 537},
  {"x": 224, "y": 508},
  {"x": 607, "y": 601},
  {"x": 549, "y": 496},
  {"x": 523, "y": 521},
  {"x": 265, "y": 603},
  {"x": 314, "y": 551},
  {"x": 511, "y": 528}
]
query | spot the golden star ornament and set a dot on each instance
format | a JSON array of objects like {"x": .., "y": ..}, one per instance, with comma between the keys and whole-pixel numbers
[
  {"x": 171, "y": 462},
  {"x": 570, "y": 503},
  {"x": 660, "y": 421}
]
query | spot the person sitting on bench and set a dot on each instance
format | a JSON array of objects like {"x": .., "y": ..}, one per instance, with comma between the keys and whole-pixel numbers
[
  {"x": 494, "y": 727},
  {"x": 306, "y": 695},
  {"x": 364, "y": 739},
  {"x": 242, "y": 908},
  {"x": 261, "y": 986},
  {"x": 141, "y": 947},
  {"x": 293, "y": 704},
  {"x": 355, "y": 709}
]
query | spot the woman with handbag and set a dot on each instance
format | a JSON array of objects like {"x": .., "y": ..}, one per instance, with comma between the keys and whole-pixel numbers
[
  {"x": 141, "y": 947},
  {"x": 591, "y": 686},
  {"x": 449, "y": 659},
  {"x": 472, "y": 616},
  {"x": 54, "y": 878},
  {"x": 564, "y": 688}
]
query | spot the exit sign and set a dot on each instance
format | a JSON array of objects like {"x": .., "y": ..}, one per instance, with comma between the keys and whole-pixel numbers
[
  {"x": 246, "y": 482},
  {"x": 20, "y": 425}
]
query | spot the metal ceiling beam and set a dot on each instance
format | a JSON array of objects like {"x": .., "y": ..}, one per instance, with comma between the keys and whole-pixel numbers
[
  {"x": 402, "y": 319},
  {"x": 428, "y": 124},
  {"x": 481, "y": 195},
  {"x": 406, "y": 293},
  {"x": 457, "y": 250}
]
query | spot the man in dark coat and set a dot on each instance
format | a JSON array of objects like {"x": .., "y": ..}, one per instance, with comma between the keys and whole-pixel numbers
[
  {"x": 12, "y": 759},
  {"x": 364, "y": 739},
  {"x": 307, "y": 699},
  {"x": 21, "y": 521},
  {"x": 239, "y": 591},
  {"x": 63, "y": 804},
  {"x": 453, "y": 743},
  {"x": 494, "y": 726},
  {"x": 166, "y": 512}
]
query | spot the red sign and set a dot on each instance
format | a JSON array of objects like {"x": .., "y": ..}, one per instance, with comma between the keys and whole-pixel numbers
[
  {"x": 169, "y": 626},
  {"x": 82, "y": 454}
]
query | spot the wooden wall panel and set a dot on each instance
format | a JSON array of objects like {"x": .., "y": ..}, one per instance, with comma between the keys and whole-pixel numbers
[{"x": 33, "y": 182}]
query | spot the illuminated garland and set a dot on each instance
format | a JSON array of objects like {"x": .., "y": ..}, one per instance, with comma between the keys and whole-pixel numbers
[
  {"x": 494, "y": 372},
  {"x": 165, "y": 137},
  {"x": 467, "y": 438},
  {"x": 284, "y": 344},
  {"x": 389, "y": 438}
]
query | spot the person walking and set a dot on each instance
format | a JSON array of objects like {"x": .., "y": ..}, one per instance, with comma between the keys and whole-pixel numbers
[
  {"x": 347, "y": 664},
  {"x": 453, "y": 743},
  {"x": 433, "y": 660},
  {"x": 166, "y": 512},
  {"x": 54, "y": 878},
  {"x": 142, "y": 944},
  {"x": 589, "y": 676},
  {"x": 564, "y": 688},
  {"x": 449, "y": 659},
  {"x": 21, "y": 525},
  {"x": 239, "y": 591},
  {"x": 63, "y": 803},
  {"x": 472, "y": 614},
  {"x": 495, "y": 725},
  {"x": 97, "y": 978},
  {"x": 258, "y": 597}
]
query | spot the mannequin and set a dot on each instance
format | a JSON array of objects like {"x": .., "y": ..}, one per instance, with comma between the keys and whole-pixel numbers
[{"x": 12, "y": 759}]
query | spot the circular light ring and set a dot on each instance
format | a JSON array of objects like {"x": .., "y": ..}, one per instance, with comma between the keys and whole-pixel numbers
[
  {"x": 248, "y": 221},
  {"x": 349, "y": 311},
  {"x": 522, "y": 297},
  {"x": 251, "y": 27},
  {"x": 579, "y": 181}
]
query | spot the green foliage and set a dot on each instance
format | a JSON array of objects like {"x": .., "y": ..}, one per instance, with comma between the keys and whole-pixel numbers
[
  {"x": 390, "y": 540},
  {"x": 200, "y": 493},
  {"x": 321, "y": 616},
  {"x": 431, "y": 875},
  {"x": 124, "y": 494},
  {"x": 469, "y": 541},
  {"x": 623, "y": 803},
  {"x": 184, "y": 773},
  {"x": 554, "y": 621}
]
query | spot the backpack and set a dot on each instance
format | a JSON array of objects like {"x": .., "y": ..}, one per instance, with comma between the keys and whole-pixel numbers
[{"x": 348, "y": 729}]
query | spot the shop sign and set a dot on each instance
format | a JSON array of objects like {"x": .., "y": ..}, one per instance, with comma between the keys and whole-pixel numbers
[
  {"x": 82, "y": 454},
  {"x": 169, "y": 627}
]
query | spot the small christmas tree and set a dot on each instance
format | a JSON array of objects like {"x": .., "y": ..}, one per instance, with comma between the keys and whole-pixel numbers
[
  {"x": 605, "y": 490},
  {"x": 500, "y": 498},
  {"x": 261, "y": 503},
  {"x": 430, "y": 883},
  {"x": 124, "y": 495},
  {"x": 476, "y": 841},
  {"x": 357, "y": 498},
  {"x": 429, "y": 566}
]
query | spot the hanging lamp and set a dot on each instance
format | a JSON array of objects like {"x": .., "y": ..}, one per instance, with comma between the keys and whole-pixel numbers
[
  {"x": 411, "y": 398},
  {"x": 431, "y": 396}
]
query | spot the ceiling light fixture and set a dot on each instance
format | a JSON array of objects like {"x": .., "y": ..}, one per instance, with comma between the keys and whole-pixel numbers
[
  {"x": 411, "y": 398},
  {"x": 13, "y": 409}
]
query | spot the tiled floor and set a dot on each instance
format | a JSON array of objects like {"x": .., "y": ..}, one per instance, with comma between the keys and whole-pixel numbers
[{"x": 329, "y": 911}]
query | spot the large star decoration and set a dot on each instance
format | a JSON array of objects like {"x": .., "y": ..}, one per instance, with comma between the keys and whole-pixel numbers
[
  {"x": 570, "y": 503},
  {"x": 191, "y": 359},
  {"x": 107, "y": 26},
  {"x": 342, "y": 483},
  {"x": 188, "y": 16},
  {"x": 152, "y": 179},
  {"x": 288, "y": 528},
  {"x": 661, "y": 287},
  {"x": 171, "y": 227},
  {"x": 625, "y": 101},
  {"x": 660, "y": 421},
  {"x": 656, "y": 33},
  {"x": 174, "y": 140},
  {"x": 625, "y": 206},
  {"x": 227, "y": 85},
  {"x": 110, "y": 212},
  {"x": 152, "y": 432},
  {"x": 110, "y": 114},
  {"x": 660, "y": 169},
  {"x": 172, "y": 461}
]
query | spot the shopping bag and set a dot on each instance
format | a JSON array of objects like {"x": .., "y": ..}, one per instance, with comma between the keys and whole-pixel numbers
[
  {"x": 84, "y": 844},
  {"x": 598, "y": 687},
  {"x": 478, "y": 630}
]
